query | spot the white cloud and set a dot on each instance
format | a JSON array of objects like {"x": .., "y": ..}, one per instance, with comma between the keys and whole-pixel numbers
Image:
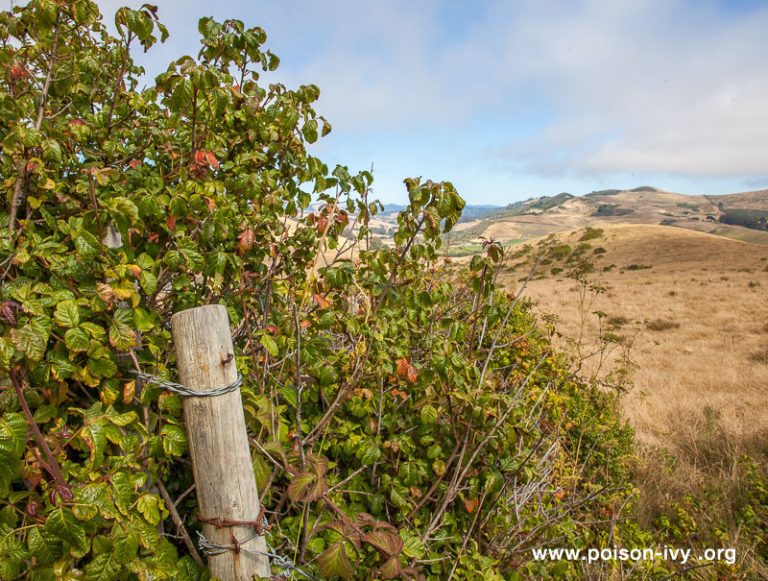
[
  {"x": 646, "y": 86},
  {"x": 656, "y": 86}
]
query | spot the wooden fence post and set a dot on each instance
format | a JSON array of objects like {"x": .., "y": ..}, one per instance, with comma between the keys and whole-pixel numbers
[{"x": 218, "y": 442}]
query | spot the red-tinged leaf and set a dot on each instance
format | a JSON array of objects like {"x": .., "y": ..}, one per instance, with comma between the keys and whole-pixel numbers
[
  {"x": 17, "y": 73},
  {"x": 321, "y": 301},
  {"x": 406, "y": 370},
  {"x": 305, "y": 324},
  {"x": 60, "y": 492},
  {"x": 134, "y": 163},
  {"x": 105, "y": 292},
  {"x": 211, "y": 160},
  {"x": 334, "y": 562},
  {"x": 471, "y": 504},
  {"x": 200, "y": 157},
  {"x": 77, "y": 122},
  {"x": 33, "y": 507},
  {"x": 322, "y": 224},
  {"x": 171, "y": 223},
  {"x": 307, "y": 487},
  {"x": 9, "y": 309},
  {"x": 273, "y": 329},
  {"x": 392, "y": 569},
  {"x": 211, "y": 204},
  {"x": 386, "y": 542},
  {"x": 246, "y": 239}
]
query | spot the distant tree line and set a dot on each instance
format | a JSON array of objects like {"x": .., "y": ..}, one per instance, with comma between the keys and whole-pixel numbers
[{"x": 755, "y": 219}]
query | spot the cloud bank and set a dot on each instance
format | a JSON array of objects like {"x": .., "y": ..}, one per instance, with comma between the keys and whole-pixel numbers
[{"x": 588, "y": 88}]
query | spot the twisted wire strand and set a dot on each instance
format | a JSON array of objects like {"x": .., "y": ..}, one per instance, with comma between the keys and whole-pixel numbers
[
  {"x": 210, "y": 549},
  {"x": 185, "y": 391}
]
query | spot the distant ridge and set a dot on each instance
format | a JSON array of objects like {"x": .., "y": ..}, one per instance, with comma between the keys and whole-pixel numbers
[{"x": 742, "y": 216}]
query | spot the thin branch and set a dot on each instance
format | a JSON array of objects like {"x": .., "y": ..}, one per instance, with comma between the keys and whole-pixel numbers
[
  {"x": 52, "y": 464},
  {"x": 179, "y": 523}
]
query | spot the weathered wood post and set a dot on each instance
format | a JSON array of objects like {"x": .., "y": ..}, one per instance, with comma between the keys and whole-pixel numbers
[{"x": 218, "y": 442}]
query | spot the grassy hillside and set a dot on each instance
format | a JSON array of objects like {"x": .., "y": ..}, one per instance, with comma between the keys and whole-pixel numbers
[
  {"x": 685, "y": 314},
  {"x": 736, "y": 216}
]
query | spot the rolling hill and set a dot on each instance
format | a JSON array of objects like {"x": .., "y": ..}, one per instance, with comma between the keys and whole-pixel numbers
[
  {"x": 685, "y": 314},
  {"x": 724, "y": 216}
]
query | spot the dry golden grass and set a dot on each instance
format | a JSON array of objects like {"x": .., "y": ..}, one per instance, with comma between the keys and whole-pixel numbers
[
  {"x": 697, "y": 323},
  {"x": 711, "y": 292}
]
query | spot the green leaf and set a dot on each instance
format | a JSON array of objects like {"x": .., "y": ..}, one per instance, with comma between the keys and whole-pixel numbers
[
  {"x": 368, "y": 453},
  {"x": 148, "y": 282},
  {"x": 13, "y": 435},
  {"x": 121, "y": 336},
  {"x": 182, "y": 95},
  {"x": 76, "y": 339},
  {"x": 428, "y": 415},
  {"x": 31, "y": 340},
  {"x": 187, "y": 570},
  {"x": 334, "y": 562},
  {"x": 121, "y": 420},
  {"x": 43, "y": 546},
  {"x": 13, "y": 432},
  {"x": 12, "y": 553},
  {"x": 398, "y": 499},
  {"x": 412, "y": 546},
  {"x": 51, "y": 151},
  {"x": 123, "y": 491},
  {"x": 94, "y": 437},
  {"x": 126, "y": 544},
  {"x": 174, "y": 440},
  {"x": 102, "y": 367},
  {"x": 93, "y": 499},
  {"x": 270, "y": 345},
  {"x": 87, "y": 245},
  {"x": 125, "y": 208},
  {"x": 152, "y": 508},
  {"x": 309, "y": 131},
  {"x": 62, "y": 523},
  {"x": 104, "y": 567}
]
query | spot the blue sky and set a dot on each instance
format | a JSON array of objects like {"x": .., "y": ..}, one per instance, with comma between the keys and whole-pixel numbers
[{"x": 510, "y": 99}]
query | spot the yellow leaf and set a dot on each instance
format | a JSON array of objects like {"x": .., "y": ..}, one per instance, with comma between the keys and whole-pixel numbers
[{"x": 129, "y": 391}]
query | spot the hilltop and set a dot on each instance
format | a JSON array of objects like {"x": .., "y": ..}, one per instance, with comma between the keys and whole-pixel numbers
[{"x": 736, "y": 216}]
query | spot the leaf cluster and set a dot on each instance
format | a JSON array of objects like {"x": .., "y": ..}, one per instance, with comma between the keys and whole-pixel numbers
[{"x": 405, "y": 422}]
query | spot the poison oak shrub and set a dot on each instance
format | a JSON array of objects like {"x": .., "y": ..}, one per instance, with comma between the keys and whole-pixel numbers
[{"x": 404, "y": 423}]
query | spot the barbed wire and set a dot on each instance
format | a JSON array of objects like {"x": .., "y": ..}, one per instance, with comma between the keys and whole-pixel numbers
[
  {"x": 185, "y": 391},
  {"x": 210, "y": 549}
]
